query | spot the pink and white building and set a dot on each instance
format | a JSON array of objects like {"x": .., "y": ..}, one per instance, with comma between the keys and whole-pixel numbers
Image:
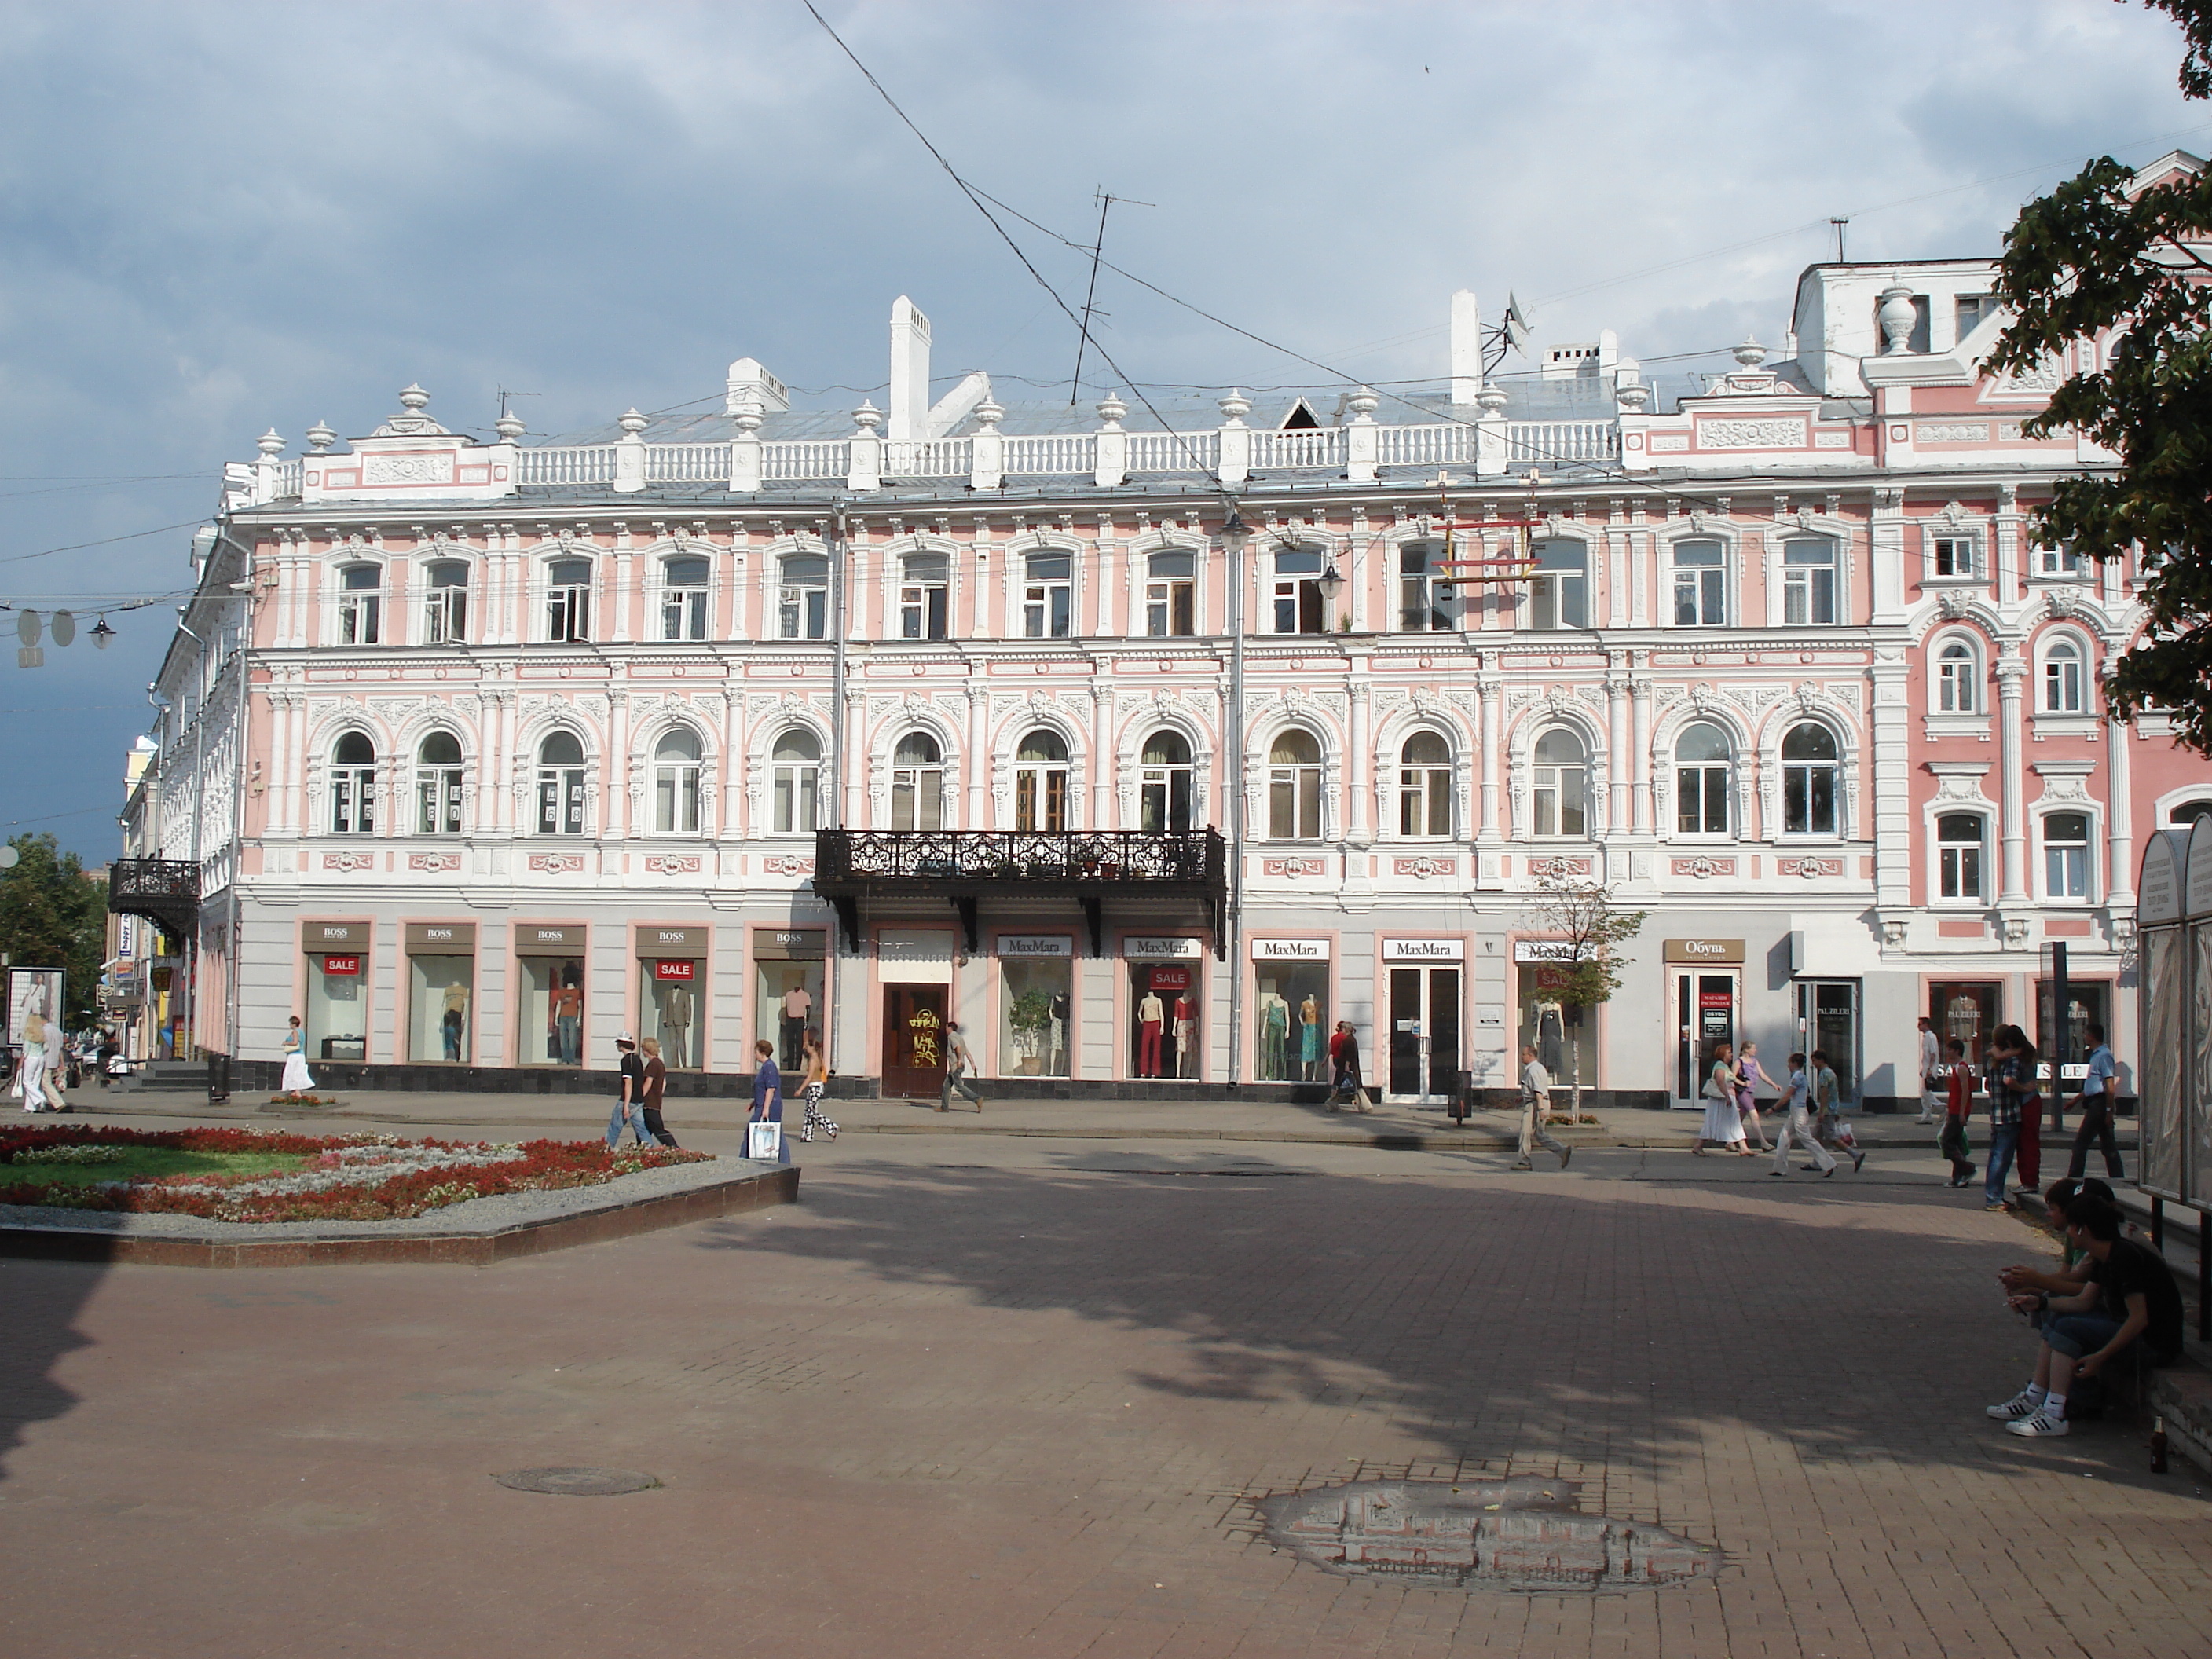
[{"x": 721, "y": 727}]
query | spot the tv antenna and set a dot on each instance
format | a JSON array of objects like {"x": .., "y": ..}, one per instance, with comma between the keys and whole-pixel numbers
[
  {"x": 1839, "y": 224},
  {"x": 1097, "y": 250}
]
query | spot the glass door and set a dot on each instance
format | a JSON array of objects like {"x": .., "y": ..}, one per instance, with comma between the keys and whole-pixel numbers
[
  {"x": 1828, "y": 1023},
  {"x": 1705, "y": 1001},
  {"x": 1423, "y": 1051}
]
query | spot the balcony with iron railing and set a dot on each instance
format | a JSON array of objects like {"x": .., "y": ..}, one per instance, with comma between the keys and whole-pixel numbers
[{"x": 165, "y": 892}]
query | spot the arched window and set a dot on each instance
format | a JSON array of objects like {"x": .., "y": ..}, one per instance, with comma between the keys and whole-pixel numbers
[
  {"x": 924, "y": 585},
  {"x": 797, "y": 766},
  {"x": 1809, "y": 780},
  {"x": 361, "y": 604},
  {"x": 1957, "y": 679},
  {"x": 1701, "y": 780},
  {"x": 2061, "y": 677},
  {"x": 561, "y": 785},
  {"x": 445, "y": 603},
  {"x": 1426, "y": 601},
  {"x": 918, "y": 783},
  {"x": 1808, "y": 582},
  {"x": 1048, "y": 596},
  {"x": 353, "y": 786},
  {"x": 1558, "y": 594},
  {"x": 1700, "y": 584},
  {"x": 1294, "y": 786},
  {"x": 1299, "y": 607},
  {"x": 802, "y": 610},
  {"x": 1424, "y": 785},
  {"x": 2188, "y": 812},
  {"x": 2066, "y": 855},
  {"x": 569, "y": 600},
  {"x": 438, "y": 786},
  {"x": 676, "y": 782},
  {"x": 1960, "y": 839},
  {"x": 1561, "y": 785},
  {"x": 1164, "y": 792},
  {"x": 1041, "y": 782},
  {"x": 684, "y": 598},
  {"x": 1170, "y": 592}
]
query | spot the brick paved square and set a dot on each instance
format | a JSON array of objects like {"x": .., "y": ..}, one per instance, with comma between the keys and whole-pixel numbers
[{"x": 1018, "y": 1406}]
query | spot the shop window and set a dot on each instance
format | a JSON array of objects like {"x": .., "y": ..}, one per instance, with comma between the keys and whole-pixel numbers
[
  {"x": 1164, "y": 1019},
  {"x": 1294, "y": 788},
  {"x": 1048, "y": 596},
  {"x": 438, "y": 988},
  {"x": 336, "y": 1018},
  {"x": 1298, "y": 606},
  {"x": 924, "y": 587},
  {"x": 1809, "y": 780},
  {"x": 361, "y": 604},
  {"x": 2088, "y": 1002},
  {"x": 676, "y": 783},
  {"x": 551, "y": 1028},
  {"x": 353, "y": 786},
  {"x": 787, "y": 995},
  {"x": 797, "y": 765},
  {"x": 1559, "y": 592},
  {"x": 2066, "y": 855},
  {"x": 1702, "y": 767},
  {"x": 1969, "y": 1010},
  {"x": 671, "y": 1002},
  {"x": 1292, "y": 1003},
  {"x": 1035, "y": 1013},
  {"x": 684, "y": 598},
  {"x": 568, "y": 601},
  {"x": 1560, "y": 781},
  {"x": 918, "y": 783},
  {"x": 2061, "y": 677},
  {"x": 1424, "y": 785},
  {"x": 1957, "y": 679},
  {"x": 802, "y": 610},
  {"x": 1700, "y": 584},
  {"x": 445, "y": 603},
  {"x": 1170, "y": 593},
  {"x": 1165, "y": 783},
  {"x": 1426, "y": 601},
  {"x": 1041, "y": 782},
  {"x": 438, "y": 786},
  {"x": 1960, "y": 843},
  {"x": 561, "y": 785},
  {"x": 1564, "y": 1033},
  {"x": 1809, "y": 583}
]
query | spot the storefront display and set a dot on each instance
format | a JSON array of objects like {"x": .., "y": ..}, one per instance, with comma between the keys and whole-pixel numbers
[
  {"x": 336, "y": 1016},
  {"x": 1565, "y": 1036},
  {"x": 550, "y": 960},
  {"x": 441, "y": 960},
  {"x": 1035, "y": 1003},
  {"x": 788, "y": 991},
  {"x": 1291, "y": 982},
  {"x": 1163, "y": 1006},
  {"x": 1969, "y": 1010},
  {"x": 671, "y": 992}
]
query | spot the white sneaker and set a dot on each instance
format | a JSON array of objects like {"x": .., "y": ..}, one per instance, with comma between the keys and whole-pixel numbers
[
  {"x": 2014, "y": 1409},
  {"x": 2035, "y": 1427}
]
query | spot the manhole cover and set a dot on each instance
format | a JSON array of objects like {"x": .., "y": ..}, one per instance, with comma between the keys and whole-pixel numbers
[
  {"x": 1524, "y": 1533},
  {"x": 577, "y": 1483}
]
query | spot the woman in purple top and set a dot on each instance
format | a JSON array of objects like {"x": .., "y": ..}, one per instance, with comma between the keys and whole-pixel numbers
[{"x": 767, "y": 1095}]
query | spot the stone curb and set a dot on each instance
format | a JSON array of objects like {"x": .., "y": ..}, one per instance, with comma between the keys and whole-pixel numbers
[{"x": 475, "y": 1234}]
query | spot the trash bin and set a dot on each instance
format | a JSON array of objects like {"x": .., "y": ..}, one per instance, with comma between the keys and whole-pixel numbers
[{"x": 218, "y": 1079}]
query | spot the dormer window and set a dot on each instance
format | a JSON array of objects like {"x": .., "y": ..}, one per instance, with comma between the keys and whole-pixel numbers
[{"x": 1971, "y": 308}]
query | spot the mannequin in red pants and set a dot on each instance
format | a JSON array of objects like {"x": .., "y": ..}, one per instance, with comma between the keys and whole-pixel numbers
[{"x": 1151, "y": 1013}]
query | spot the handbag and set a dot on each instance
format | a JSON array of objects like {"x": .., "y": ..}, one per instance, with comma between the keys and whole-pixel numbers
[{"x": 764, "y": 1142}]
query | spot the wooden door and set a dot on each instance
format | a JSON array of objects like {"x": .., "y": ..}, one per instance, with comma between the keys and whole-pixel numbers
[{"x": 913, "y": 1040}]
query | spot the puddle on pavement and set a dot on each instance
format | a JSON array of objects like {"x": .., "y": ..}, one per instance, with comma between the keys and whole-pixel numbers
[
  {"x": 578, "y": 1482},
  {"x": 1522, "y": 1534}
]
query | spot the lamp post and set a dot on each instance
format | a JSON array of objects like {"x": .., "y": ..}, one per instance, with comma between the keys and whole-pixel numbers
[
  {"x": 1331, "y": 583},
  {"x": 1235, "y": 535}
]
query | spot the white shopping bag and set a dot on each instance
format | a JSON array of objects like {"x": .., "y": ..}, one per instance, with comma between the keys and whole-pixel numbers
[{"x": 764, "y": 1142}]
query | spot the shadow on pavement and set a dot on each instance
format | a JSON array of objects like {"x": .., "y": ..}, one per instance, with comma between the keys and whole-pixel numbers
[{"x": 38, "y": 1306}]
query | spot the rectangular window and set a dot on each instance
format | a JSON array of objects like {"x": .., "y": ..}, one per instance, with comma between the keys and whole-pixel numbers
[
  {"x": 1971, "y": 309},
  {"x": 923, "y": 589},
  {"x": 1959, "y": 855},
  {"x": 1559, "y": 593},
  {"x": 1425, "y": 593},
  {"x": 2066, "y": 855},
  {"x": 1953, "y": 556},
  {"x": 568, "y": 605},
  {"x": 1700, "y": 584},
  {"x": 1701, "y": 801},
  {"x": 1808, "y": 584},
  {"x": 2059, "y": 562},
  {"x": 359, "y": 618},
  {"x": 1170, "y": 596},
  {"x": 1048, "y": 597},
  {"x": 1297, "y": 599}
]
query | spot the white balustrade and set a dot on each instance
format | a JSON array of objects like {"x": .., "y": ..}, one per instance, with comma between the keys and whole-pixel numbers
[
  {"x": 928, "y": 457},
  {"x": 1561, "y": 441},
  {"x": 1053, "y": 455},
  {"x": 565, "y": 463},
  {"x": 1174, "y": 452},
  {"x": 1310, "y": 446},
  {"x": 687, "y": 463},
  {"x": 1448, "y": 443},
  {"x": 287, "y": 482},
  {"x": 811, "y": 458}
]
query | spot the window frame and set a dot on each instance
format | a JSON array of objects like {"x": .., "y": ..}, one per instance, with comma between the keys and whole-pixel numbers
[
  {"x": 1048, "y": 600},
  {"x": 1549, "y": 786},
  {"x": 568, "y": 783},
  {"x": 925, "y": 600},
  {"x": 1943, "y": 545},
  {"x": 1170, "y": 596},
  {"x": 687, "y": 608},
  {"x": 1294, "y": 592},
  {"x": 802, "y": 606},
  {"x": 444, "y": 604},
  {"x": 1709, "y": 589},
  {"x": 439, "y": 788},
  {"x": 678, "y": 785},
  {"x": 1295, "y": 788},
  {"x": 1956, "y": 858},
  {"x": 1798, "y": 776},
  {"x": 2075, "y": 853},
  {"x": 1042, "y": 784},
  {"x": 1704, "y": 771},
  {"x": 1948, "y": 685},
  {"x": 917, "y": 784},
  {"x": 2062, "y": 671},
  {"x": 1166, "y": 788},
  {"x": 1555, "y": 590},
  {"x": 352, "y": 786},
  {"x": 568, "y": 603},
  {"x": 1803, "y": 591},
  {"x": 361, "y": 606},
  {"x": 795, "y": 781},
  {"x": 1427, "y": 789},
  {"x": 1427, "y": 593}
]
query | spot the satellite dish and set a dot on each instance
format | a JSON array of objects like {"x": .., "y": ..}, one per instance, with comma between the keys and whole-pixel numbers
[
  {"x": 1517, "y": 324},
  {"x": 65, "y": 626},
  {"x": 26, "y": 627}
]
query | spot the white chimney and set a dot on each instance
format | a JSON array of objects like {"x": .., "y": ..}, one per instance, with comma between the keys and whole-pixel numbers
[
  {"x": 751, "y": 386},
  {"x": 1466, "y": 347},
  {"x": 909, "y": 399}
]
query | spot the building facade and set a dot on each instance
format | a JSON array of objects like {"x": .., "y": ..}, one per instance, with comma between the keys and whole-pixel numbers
[{"x": 1148, "y": 750}]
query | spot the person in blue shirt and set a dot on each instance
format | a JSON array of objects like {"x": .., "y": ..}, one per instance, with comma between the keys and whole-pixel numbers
[
  {"x": 767, "y": 1095},
  {"x": 2095, "y": 1101}
]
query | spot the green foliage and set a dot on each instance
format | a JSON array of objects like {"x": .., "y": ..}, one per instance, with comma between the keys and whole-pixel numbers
[
  {"x": 1581, "y": 913},
  {"x": 1032, "y": 1012},
  {"x": 2086, "y": 260},
  {"x": 51, "y": 916}
]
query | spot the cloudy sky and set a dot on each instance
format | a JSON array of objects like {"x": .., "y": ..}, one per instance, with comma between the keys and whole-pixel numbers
[{"x": 220, "y": 218}]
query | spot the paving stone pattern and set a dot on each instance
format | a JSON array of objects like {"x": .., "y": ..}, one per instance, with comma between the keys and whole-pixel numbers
[{"x": 1026, "y": 1408}]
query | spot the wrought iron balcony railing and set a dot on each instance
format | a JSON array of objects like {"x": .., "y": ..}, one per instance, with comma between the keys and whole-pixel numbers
[{"x": 166, "y": 891}]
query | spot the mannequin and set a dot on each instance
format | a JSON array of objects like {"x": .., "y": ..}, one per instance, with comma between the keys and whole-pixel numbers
[
  {"x": 1309, "y": 1038},
  {"x": 454, "y": 1023},
  {"x": 568, "y": 1032},
  {"x": 1274, "y": 1037},
  {"x": 1186, "y": 1035},
  {"x": 676, "y": 1007},
  {"x": 1152, "y": 1014},
  {"x": 797, "y": 1004},
  {"x": 1056, "y": 1042}
]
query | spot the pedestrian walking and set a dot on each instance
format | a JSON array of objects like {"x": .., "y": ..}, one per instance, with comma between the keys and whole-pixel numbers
[
  {"x": 1344, "y": 1062},
  {"x": 2095, "y": 1101},
  {"x": 31, "y": 1079},
  {"x": 1795, "y": 1124},
  {"x": 297, "y": 1079},
  {"x": 1931, "y": 1062},
  {"x": 958, "y": 1062},
  {"x": 816, "y": 1073},
  {"x": 655, "y": 1089},
  {"x": 629, "y": 1097},
  {"x": 1959, "y": 1101},
  {"x": 767, "y": 1097},
  {"x": 2012, "y": 1097},
  {"x": 1749, "y": 1075},
  {"x": 1535, "y": 1102},
  {"x": 1723, "y": 1124},
  {"x": 1829, "y": 1123},
  {"x": 103, "y": 1057}
]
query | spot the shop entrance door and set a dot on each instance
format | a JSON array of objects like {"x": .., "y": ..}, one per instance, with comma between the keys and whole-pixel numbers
[
  {"x": 1705, "y": 1001},
  {"x": 1424, "y": 1033},
  {"x": 914, "y": 1041},
  {"x": 1828, "y": 1020}
]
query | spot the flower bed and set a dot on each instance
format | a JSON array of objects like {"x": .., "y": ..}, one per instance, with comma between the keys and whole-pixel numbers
[{"x": 360, "y": 1177}]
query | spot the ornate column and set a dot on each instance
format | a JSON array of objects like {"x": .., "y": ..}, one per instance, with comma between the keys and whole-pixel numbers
[
  {"x": 624, "y": 784},
  {"x": 1892, "y": 778},
  {"x": 978, "y": 757},
  {"x": 1358, "y": 761},
  {"x": 2119, "y": 817},
  {"x": 1619, "y": 813},
  {"x": 1639, "y": 694},
  {"x": 1486, "y": 688},
  {"x": 2012, "y": 675},
  {"x": 1101, "y": 758}
]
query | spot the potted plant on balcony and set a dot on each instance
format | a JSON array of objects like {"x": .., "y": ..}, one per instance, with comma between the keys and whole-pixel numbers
[{"x": 1029, "y": 1017}]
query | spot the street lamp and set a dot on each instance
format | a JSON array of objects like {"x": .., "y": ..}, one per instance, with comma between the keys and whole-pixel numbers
[
  {"x": 102, "y": 633},
  {"x": 1331, "y": 583}
]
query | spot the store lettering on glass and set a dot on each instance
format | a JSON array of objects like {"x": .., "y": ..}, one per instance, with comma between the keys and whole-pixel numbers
[{"x": 923, "y": 1028}]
